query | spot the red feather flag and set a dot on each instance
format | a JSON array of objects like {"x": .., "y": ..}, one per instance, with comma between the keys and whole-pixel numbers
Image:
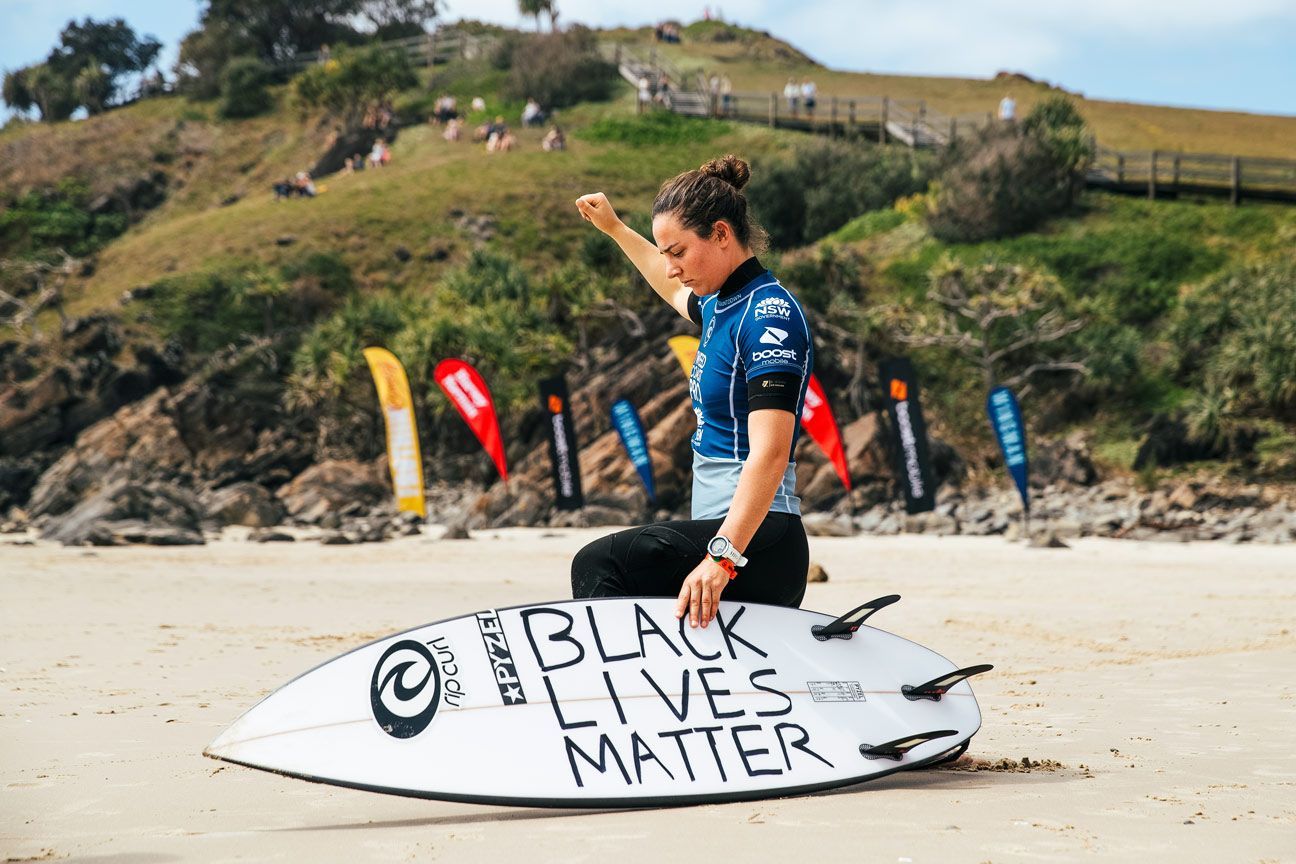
[
  {"x": 472, "y": 397},
  {"x": 817, "y": 420}
]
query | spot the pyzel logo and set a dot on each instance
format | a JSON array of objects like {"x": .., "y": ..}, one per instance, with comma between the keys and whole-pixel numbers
[
  {"x": 774, "y": 336},
  {"x": 773, "y": 307},
  {"x": 497, "y": 649},
  {"x": 773, "y": 354},
  {"x": 405, "y": 689}
]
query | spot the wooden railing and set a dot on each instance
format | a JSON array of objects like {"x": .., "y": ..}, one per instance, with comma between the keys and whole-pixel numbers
[
  {"x": 439, "y": 46},
  {"x": 1164, "y": 174},
  {"x": 881, "y": 118}
]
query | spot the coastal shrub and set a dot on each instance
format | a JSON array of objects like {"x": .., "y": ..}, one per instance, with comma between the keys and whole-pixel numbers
[
  {"x": 827, "y": 183},
  {"x": 1010, "y": 178},
  {"x": 1235, "y": 337},
  {"x": 560, "y": 69},
  {"x": 208, "y": 309},
  {"x": 244, "y": 90},
  {"x": 354, "y": 83},
  {"x": 43, "y": 221}
]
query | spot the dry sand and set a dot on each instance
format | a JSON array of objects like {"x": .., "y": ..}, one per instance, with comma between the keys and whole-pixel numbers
[{"x": 1158, "y": 678}]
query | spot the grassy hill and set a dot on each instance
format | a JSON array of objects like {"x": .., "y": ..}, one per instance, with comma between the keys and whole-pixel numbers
[
  {"x": 758, "y": 63},
  {"x": 404, "y": 227}
]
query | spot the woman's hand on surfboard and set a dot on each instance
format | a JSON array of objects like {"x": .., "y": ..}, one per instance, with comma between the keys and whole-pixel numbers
[
  {"x": 699, "y": 598},
  {"x": 596, "y": 208}
]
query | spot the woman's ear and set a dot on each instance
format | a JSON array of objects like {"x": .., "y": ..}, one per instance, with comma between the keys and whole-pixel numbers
[{"x": 722, "y": 233}]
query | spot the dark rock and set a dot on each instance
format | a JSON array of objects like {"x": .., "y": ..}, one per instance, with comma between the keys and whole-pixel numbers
[
  {"x": 817, "y": 573},
  {"x": 285, "y": 240},
  {"x": 129, "y": 512},
  {"x": 438, "y": 253},
  {"x": 456, "y": 531},
  {"x": 17, "y": 477},
  {"x": 1063, "y": 463},
  {"x": 269, "y": 535},
  {"x": 247, "y": 504},
  {"x": 230, "y": 200},
  {"x": 827, "y": 525},
  {"x": 336, "y": 538},
  {"x": 402, "y": 254},
  {"x": 1047, "y": 539},
  {"x": 333, "y": 485}
]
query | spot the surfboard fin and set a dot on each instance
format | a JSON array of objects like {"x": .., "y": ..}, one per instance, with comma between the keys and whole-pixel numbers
[
  {"x": 897, "y": 749},
  {"x": 937, "y": 687},
  {"x": 845, "y": 626}
]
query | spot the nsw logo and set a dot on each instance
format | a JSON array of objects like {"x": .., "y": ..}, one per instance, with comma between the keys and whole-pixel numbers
[
  {"x": 406, "y": 689},
  {"x": 773, "y": 307},
  {"x": 774, "y": 336}
]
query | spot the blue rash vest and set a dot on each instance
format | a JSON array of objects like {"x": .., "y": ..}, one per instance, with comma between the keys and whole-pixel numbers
[{"x": 752, "y": 327}]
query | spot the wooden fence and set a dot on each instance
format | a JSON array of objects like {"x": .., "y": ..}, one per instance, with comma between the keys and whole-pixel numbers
[
  {"x": 1167, "y": 174},
  {"x": 439, "y": 46}
]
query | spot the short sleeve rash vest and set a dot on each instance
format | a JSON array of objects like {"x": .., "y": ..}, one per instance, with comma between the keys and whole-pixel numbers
[{"x": 751, "y": 329}]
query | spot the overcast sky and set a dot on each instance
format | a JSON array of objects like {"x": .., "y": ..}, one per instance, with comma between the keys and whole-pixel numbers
[{"x": 1233, "y": 54}]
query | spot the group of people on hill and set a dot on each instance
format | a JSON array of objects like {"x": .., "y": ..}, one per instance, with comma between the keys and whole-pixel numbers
[
  {"x": 800, "y": 95},
  {"x": 495, "y": 134},
  {"x": 300, "y": 185}
]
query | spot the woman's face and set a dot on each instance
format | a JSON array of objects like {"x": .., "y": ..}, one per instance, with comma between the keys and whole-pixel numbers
[{"x": 701, "y": 263}]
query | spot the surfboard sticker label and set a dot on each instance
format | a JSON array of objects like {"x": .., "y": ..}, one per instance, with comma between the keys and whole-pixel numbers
[
  {"x": 607, "y": 701},
  {"x": 836, "y": 691},
  {"x": 501, "y": 658}
]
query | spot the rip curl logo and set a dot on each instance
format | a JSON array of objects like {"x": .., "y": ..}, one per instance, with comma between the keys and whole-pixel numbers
[
  {"x": 773, "y": 307},
  {"x": 406, "y": 689}
]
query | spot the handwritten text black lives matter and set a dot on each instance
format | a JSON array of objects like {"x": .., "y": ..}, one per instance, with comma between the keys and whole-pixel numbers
[{"x": 711, "y": 737}]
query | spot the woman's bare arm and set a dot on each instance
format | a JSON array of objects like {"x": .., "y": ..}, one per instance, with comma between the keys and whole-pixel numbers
[{"x": 646, "y": 257}]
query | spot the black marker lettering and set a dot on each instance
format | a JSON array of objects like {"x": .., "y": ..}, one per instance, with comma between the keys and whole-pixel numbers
[
  {"x": 710, "y": 733},
  {"x": 678, "y": 735},
  {"x": 727, "y": 631},
  {"x": 642, "y": 753},
  {"x": 553, "y": 703},
  {"x": 787, "y": 709},
  {"x": 682, "y": 713},
  {"x": 744, "y": 753},
  {"x": 689, "y": 645},
  {"x": 598, "y": 641},
  {"x": 616, "y": 700},
  {"x": 640, "y": 617},
  {"x": 798, "y": 744},
  {"x": 563, "y": 635},
  {"x": 605, "y": 746},
  {"x": 711, "y": 694}
]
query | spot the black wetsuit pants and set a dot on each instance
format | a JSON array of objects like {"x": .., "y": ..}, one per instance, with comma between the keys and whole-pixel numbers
[{"x": 654, "y": 560}]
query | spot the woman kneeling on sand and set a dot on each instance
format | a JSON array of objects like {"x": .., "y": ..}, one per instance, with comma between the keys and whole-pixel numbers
[{"x": 748, "y": 386}]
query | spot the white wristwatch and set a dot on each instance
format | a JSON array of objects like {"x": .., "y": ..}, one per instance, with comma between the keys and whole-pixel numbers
[{"x": 720, "y": 547}]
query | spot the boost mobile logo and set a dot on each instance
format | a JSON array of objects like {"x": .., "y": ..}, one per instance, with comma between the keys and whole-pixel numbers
[
  {"x": 773, "y": 354},
  {"x": 405, "y": 689},
  {"x": 773, "y": 307}
]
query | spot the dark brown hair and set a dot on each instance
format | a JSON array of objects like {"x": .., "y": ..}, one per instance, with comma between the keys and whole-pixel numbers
[{"x": 701, "y": 198}]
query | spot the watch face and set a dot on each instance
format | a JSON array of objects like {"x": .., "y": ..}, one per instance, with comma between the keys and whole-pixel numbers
[{"x": 717, "y": 546}]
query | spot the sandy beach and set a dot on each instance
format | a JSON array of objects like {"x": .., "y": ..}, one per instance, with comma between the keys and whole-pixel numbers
[{"x": 1148, "y": 685}]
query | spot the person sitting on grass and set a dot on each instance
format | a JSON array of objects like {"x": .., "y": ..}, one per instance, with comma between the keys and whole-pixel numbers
[
  {"x": 532, "y": 114},
  {"x": 554, "y": 140},
  {"x": 453, "y": 130}
]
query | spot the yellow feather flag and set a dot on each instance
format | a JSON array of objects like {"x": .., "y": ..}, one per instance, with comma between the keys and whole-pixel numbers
[
  {"x": 402, "y": 431},
  {"x": 685, "y": 348}
]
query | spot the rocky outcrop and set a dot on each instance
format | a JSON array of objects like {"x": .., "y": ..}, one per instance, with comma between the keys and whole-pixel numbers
[
  {"x": 337, "y": 487},
  {"x": 249, "y": 504},
  {"x": 126, "y": 511}
]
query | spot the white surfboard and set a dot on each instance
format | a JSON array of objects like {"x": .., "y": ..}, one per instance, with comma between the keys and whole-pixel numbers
[{"x": 612, "y": 702}]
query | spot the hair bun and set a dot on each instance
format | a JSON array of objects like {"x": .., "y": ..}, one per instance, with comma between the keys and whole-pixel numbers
[{"x": 730, "y": 169}]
